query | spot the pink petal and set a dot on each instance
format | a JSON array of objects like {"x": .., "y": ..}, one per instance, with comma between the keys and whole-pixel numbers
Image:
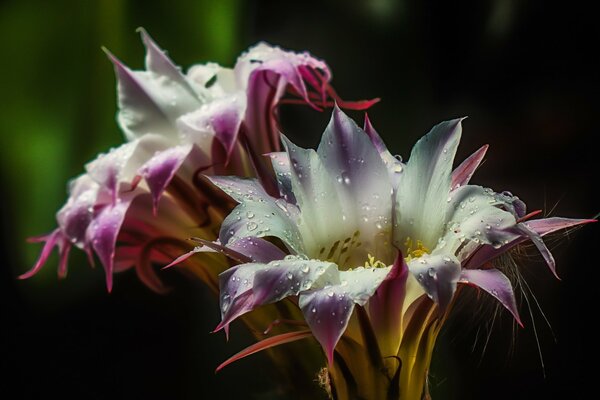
[
  {"x": 266, "y": 344},
  {"x": 463, "y": 173},
  {"x": 546, "y": 226},
  {"x": 495, "y": 283},
  {"x": 385, "y": 307},
  {"x": 50, "y": 240},
  {"x": 541, "y": 246}
]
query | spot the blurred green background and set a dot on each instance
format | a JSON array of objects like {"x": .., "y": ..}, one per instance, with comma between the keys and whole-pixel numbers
[{"x": 524, "y": 71}]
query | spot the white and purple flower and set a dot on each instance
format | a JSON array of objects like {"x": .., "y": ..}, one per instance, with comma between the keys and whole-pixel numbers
[
  {"x": 350, "y": 221},
  {"x": 210, "y": 120}
]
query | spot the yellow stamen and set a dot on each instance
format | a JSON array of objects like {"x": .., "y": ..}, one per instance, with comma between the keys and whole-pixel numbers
[
  {"x": 419, "y": 250},
  {"x": 373, "y": 263}
]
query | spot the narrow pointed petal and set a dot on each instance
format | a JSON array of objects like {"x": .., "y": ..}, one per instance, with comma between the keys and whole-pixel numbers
[
  {"x": 102, "y": 234},
  {"x": 495, "y": 283},
  {"x": 394, "y": 165},
  {"x": 542, "y": 227},
  {"x": 464, "y": 172},
  {"x": 328, "y": 310},
  {"x": 546, "y": 226},
  {"x": 139, "y": 112},
  {"x": 257, "y": 250},
  {"x": 50, "y": 241},
  {"x": 541, "y": 246},
  {"x": 158, "y": 63},
  {"x": 180, "y": 259},
  {"x": 64, "y": 248},
  {"x": 266, "y": 344},
  {"x": 161, "y": 168},
  {"x": 245, "y": 250},
  {"x": 425, "y": 184},
  {"x": 151, "y": 101},
  {"x": 438, "y": 274}
]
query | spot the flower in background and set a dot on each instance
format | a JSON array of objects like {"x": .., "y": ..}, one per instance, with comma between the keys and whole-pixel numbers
[
  {"x": 135, "y": 204},
  {"x": 370, "y": 250}
]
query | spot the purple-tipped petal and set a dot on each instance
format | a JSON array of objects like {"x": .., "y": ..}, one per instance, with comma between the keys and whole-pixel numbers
[
  {"x": 248, "y": 286},
  {"x": 75, "y": 216},
  {"x": 546, "y": 226},
  {"x": 495, "y": 283},
  {"x": 464, "y": 172},
  {"x": 328, "y": 310},
  {"x": 541, "y": 246},
  {"x": 160, "y": 170},
  {"x": 102, "y": 234},
  {"x": 258, "y": 215},
  {"x": 327, "y": 313},
  {"x": 268, "y": 71},
  {"x": 477, "y": 215},
  {"x": 221, "y": 119},
  {"x": 438, "y": 275},
  {"x": 151, "y": 101},
  {"x": 50, "y": 241},
  {"x": 394, "y": 165},
  {"x": 385, "y": 307},
  {"x": 245, "y": 250},
  {"x": 257, "y": 250},
  {"x": 542, "y": 227},
  {"x": 360, "y": 177}
]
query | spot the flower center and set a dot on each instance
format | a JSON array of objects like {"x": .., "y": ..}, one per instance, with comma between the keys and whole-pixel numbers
[
  {"x": 340, "y": 252},
  {"x": 417, "y": 251}
]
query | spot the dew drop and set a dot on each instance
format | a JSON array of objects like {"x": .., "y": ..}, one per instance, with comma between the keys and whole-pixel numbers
[
  {"x": 251, "y": 226},
  {"x": 346, "y": 178}
]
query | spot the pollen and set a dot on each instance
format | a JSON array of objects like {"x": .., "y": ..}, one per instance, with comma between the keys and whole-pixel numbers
[
  {"x": 373, "y": 263},
  {"x": 418, "y": 251}
]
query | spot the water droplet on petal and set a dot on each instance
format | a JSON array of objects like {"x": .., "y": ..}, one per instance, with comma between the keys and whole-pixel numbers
[{"x": 251, "y": 226}]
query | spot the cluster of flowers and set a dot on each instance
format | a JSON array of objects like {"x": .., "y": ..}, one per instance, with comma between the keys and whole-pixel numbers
[{"x": 365, "y": 252}]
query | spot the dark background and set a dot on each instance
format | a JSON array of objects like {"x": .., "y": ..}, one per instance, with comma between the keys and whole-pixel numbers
[{"x": 525, "y": 72}]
